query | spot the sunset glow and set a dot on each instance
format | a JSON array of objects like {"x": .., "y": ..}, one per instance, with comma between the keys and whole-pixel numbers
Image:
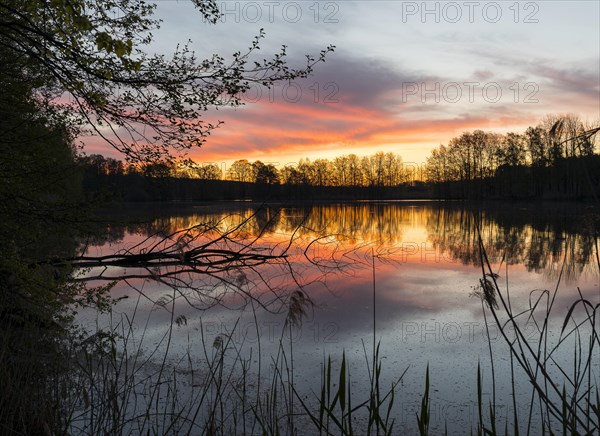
[{"x": 405, "y": 76}]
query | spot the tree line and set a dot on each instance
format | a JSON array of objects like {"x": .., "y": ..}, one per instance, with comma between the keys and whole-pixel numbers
[
  {"x": 479, "y": 154},
  {"x": 556, "y": 158},
  {"x": 380, "y": 169},
  {"x": 348, "y": 177}
]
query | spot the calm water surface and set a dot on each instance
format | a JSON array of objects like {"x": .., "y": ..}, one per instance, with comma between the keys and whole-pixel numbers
[{"x": 426, "y": 269}]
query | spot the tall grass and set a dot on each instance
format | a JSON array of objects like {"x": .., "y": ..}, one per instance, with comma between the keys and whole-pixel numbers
[
  {"x": 564, "y": 394},
  {"x": 113, "y": 379}
]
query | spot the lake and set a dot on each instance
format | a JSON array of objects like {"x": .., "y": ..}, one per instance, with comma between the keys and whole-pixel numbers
[{"x": 403, "y": 274}]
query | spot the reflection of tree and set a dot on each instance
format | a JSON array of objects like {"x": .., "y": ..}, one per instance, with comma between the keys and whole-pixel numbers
[
  {"x": 243, "y": 253},
  {"x": 71, "y": 68},
  {"x": 351, "y": 222},
  {"x": 550, "y": 244},
  {"x": 539, "y": 240},
  {"x": 358, "y": 222},
  {"x": 204, "y": 261}
]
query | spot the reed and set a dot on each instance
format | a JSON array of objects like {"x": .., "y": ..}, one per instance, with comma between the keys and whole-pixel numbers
[{"x": 566, "y": 394}]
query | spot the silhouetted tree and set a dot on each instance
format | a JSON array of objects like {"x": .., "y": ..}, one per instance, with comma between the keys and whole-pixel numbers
[
  {"x": 548, "y": 158},
  {"x": 98, "y": 74},
  {"x": 241, "y": 171},
  {"x": 265, "y": 174},
  {"x": 537, "y": 147},
  {"x": 512, "y": 150},
  {"x": 209, "y": 172}
]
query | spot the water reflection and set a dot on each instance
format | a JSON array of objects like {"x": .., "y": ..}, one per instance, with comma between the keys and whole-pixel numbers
[
  {"x": 544, "y": 239},
  {"x": 561, "y": 239},
  {"x": 427, "y": 266}
]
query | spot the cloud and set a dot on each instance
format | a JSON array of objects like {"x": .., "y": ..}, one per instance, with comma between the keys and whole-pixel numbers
[
  {"x": 357, "y": 104},
  {"x": 576, "y": 82},
  {"x": 564, "y": 85},
  {"x": 363, "y": 105}
]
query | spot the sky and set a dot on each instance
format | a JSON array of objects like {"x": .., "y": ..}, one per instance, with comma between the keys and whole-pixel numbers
[{"x": 405, "y": 77}]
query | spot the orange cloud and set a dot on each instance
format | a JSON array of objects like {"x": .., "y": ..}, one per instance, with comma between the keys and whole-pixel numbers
[
  {"x": 287, "y": 131},
  {"x": 362, "y": 107}
]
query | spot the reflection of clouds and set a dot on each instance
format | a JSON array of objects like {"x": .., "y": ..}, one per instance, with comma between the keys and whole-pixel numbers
[{"x": 406, "y": 293}]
